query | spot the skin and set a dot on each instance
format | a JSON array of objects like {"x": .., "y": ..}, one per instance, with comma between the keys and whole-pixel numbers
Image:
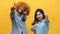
[{"x": 39, "y": 16}]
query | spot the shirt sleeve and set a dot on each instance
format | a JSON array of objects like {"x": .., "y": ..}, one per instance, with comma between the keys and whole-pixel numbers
[
  {"x": 12, "y": 15},
  {"x": 24, "y": 18},
  {"x": 47, "y": 24}
]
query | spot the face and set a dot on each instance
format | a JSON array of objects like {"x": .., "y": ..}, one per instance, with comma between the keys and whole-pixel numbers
[
  {"x": 39, "y": 16},
  {"x": 21, "y": 10}
]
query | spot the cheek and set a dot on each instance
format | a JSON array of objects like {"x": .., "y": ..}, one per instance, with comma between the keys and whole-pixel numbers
[
  {"x": 41, "y": 16},
  {"x": 37, "y": 16},
  {"x": 19, "y": 10}
]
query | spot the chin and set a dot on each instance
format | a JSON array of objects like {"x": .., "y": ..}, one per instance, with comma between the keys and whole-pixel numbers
[{"x": 40, "y": 19}]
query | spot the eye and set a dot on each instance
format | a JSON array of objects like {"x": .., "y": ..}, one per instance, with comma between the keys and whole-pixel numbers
[
  {"x": 19, "y": 7},
  {"x": 39, "y": 14}
]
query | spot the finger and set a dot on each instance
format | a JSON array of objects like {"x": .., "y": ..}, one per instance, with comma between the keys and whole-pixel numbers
[{"x": 14, "y": 3}]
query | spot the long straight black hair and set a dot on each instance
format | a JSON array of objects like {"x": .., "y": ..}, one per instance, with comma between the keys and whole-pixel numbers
[{"x": 35, "y": 19}]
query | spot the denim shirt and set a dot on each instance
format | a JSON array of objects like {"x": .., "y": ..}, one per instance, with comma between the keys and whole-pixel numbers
[
  {"x": 18, "y": 24},
  {"x": 42, "y": 27}
]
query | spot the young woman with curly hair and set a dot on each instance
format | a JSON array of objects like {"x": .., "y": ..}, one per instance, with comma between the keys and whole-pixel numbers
[{"x": 19, "y": 13}]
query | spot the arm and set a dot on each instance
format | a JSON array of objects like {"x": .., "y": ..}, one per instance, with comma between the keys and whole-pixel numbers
[
  {"x": 34, "y": 27},
  {"x": 47, "y": 21},
  {"x": 12, "y": 12},
  {"x": 24, "y": 16},
  {"x": 46, "y": 18}
]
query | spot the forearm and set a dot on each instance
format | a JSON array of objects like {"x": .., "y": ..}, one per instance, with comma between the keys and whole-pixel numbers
[
  {"x": 12, "y": 14},
  {"x": 24, "y": 18},
  {"x": 46, "y": 18},
  {"x": 34, "y": 26}
]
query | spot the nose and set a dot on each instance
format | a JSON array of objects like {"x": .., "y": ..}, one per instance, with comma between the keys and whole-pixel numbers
[{"x": 38, "y": 16}]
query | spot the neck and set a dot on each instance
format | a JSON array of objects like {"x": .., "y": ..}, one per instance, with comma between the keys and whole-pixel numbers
[
  {"x": 19, "y": 14},
  {"x": 40, "y": 20}
]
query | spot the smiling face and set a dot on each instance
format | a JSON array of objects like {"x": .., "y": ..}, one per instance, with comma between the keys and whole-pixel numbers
[
  {"x": 22, "y": 7},
  {"x": 21, "y": 10},
  {"x": 39, "y": 16}
]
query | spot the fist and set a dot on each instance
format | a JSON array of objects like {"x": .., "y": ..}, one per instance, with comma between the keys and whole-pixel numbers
[
  {"x": 46, "y": 15},
  {"x": 24, "y": 13},
  {"x": 12, "y": 8}
]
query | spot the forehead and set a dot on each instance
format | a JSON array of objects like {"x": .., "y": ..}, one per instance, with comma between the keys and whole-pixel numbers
[
  {"x": 38, "y": 12},
  {"x": 24, "y": 7}
]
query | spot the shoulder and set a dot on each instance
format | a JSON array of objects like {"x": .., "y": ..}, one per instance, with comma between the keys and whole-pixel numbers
[{"x": 43, "y": 20}]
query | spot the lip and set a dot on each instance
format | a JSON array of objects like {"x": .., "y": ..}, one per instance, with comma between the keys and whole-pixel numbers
[{"x": 39, "y": 17}]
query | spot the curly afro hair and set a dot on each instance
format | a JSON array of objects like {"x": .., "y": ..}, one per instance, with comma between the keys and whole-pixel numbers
[{"x": 20, "y": 4}]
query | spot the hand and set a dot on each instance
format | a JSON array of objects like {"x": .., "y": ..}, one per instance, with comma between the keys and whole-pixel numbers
[
  {"x": 13, "y": 7},
  {"x": 46, "y": 17},
  {"x": 24, "y": 13},
  {"x": 34, "y": 26}
]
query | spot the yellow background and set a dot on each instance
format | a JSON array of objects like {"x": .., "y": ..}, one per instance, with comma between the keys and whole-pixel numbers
[{"x": 52, "y": 7}]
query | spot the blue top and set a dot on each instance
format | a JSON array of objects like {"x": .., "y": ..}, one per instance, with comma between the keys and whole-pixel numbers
[
  {"x": 42, "y": 27},
  {"x": 18, "y": 24}
]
